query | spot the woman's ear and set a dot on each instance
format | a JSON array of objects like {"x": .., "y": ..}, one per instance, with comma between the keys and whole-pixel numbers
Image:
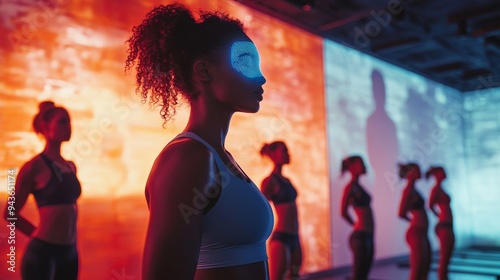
[{"x": 202, "y": 70}]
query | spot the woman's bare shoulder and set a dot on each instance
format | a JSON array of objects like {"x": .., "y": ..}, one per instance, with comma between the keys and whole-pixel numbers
[
  {"x": 180, "y": 159},
  {"x": 184, "y": 150},
  {"x": 34, "y": 164}
]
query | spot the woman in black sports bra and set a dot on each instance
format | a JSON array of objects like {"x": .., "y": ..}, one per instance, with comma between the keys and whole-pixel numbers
[
  {"x": 444, "y": 226},
  {"x": 361, "y": 240},
  {"x": 51, "y": 253},
  {"x": 285, "y": 256},
  {"x": 413, "y": 203}
]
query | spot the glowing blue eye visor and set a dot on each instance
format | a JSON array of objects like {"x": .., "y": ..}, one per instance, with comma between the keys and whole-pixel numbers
[{"x": 245, "y": 59}]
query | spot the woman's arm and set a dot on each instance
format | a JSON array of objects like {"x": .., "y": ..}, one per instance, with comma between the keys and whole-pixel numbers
[
  {"x": 432, "y": 201},
  {"x": 403, "y": 207},
  {"x": 345, "y": 205},
  {"x": 22, "y": 189},
  {"x": 173, "y": 237},
  {"x": 269, "y": 187}
]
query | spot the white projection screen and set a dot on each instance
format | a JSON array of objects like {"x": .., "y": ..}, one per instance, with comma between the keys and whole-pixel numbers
[{"x": 399, "y": 117}]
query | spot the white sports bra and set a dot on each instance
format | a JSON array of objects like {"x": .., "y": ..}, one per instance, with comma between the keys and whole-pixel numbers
[{"x": 236, "y": 228}]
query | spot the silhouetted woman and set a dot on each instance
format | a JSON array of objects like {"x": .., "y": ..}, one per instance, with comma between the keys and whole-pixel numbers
[
  {"x": 51, "y": 253},
  {"x": 285, "y": 256},
  {"x": 412, "y": 203},
  {"x": 361, "y": 240},
  {"x": 207, "y": 219},
  {"x": 444, "y": 227}
]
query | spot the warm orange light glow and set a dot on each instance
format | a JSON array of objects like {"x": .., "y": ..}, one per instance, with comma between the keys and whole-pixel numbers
[{"x": 73, "y": 52}]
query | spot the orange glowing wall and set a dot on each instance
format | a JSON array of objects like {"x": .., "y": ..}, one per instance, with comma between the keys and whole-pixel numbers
[{"x": 73, "y": 52}]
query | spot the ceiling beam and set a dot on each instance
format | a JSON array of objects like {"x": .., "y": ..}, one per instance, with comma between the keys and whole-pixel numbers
[
  {"x": 474, "y": 73},
  {"x": 452, "y": 66},
  {"x": 344, "y": 21},
  {"x": 394, "y": 45},
  {"x": 468, "y": 13},
  {"x": 491, "y": 28}
]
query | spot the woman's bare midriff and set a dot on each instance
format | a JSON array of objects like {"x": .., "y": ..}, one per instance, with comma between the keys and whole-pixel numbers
[
  {"x": 286, "y": 218},
  {"x": 57, "y": 224},
  {"x": 445, "y": 215},
  {"x": 419, "y": 219},
  {"x": 364, "y": 220}
]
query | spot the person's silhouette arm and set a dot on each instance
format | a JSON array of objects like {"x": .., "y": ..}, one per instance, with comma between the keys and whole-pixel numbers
[
  {"x": 23, "y": 187},
  {"x": 270, "y": 187},
  {"x": 403, "y": 207},
  {"x": 345, "y": 205},
  {"x": 433, "y": 201}
]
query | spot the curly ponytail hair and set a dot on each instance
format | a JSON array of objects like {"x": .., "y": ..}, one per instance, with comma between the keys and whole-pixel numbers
[{"x": 165, "y": 46}]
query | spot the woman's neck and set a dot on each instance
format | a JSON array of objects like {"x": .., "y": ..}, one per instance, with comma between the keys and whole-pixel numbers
[
  {"x": 437, "y": 185},
  {"x": 209, "y": 125},
  {"x": 52, "y": 149},
  {"x": 411, "y": 183},
  {"x": 354, "y": 178},
  {"x": 278, "y": 168}
]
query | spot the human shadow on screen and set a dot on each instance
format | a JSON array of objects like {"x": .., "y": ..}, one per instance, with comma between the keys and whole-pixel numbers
[
  {"x": 381, "y": 137},
  {"x": 383, "y": 152}
]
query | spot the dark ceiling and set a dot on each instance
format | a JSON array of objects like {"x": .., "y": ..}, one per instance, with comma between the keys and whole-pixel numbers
[{"x": 454, "y": 42}]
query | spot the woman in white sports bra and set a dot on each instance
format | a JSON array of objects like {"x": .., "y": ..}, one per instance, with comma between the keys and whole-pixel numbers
[{"x": 207, "y": 219}]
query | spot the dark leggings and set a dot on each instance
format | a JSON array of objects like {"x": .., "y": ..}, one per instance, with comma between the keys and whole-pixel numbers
[
  {"x": 362, "y": 248},
  {"x": 444, "y": 231},
  {"x": 420, "y": 253},
  {"x": 47, "y": 261}
]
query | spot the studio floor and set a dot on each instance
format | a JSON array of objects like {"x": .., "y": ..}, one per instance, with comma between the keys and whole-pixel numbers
[{"x": 474, "y": 263}]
